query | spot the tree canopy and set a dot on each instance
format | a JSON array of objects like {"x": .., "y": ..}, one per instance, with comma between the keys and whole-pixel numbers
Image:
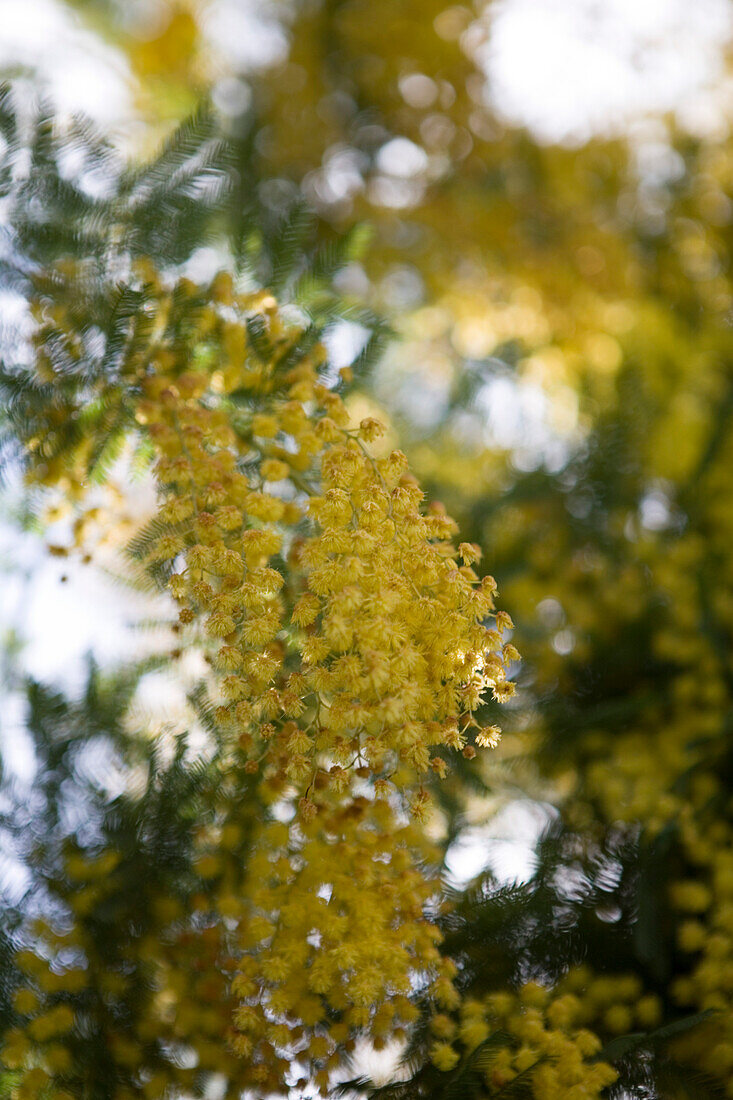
[{"x": 343, "y": 302}]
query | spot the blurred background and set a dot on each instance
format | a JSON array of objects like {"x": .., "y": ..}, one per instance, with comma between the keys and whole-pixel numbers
[{"x": 543, "y": 192}]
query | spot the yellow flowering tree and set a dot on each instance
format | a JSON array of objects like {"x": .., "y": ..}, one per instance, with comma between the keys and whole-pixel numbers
[
  {"x": 350, "y": 643},
  {"x": 262, "y": 912}
]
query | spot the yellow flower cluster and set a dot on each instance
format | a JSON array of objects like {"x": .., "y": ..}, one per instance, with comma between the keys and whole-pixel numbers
[
  {"x": 334, "y": 939},
  {"x": 346, "y": 672},
  {"x": 352, "y": 644},
  {"x": 536, "y": 1033},
  {"x": 162, "y": 987},
  {"x": 613, "y": 1004},
  {"x": 324, "y": 987},
  {"x": 371, "y": 626},
  {"x": 705, "y": 935}
]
